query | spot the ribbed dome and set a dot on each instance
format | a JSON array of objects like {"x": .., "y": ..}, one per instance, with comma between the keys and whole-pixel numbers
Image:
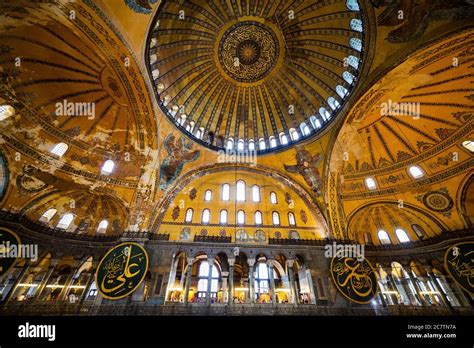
[{"x": 254, "y": 74}]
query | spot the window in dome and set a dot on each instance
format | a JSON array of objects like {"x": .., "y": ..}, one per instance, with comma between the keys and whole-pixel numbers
[
  {"x": 230, "y": 144},
  {"x": 174, "y": 110},
  {"x": 276, "y": 218},
  {"x": 161, "y": 87},
  {"x": 469, "y": 145},
  {"x": 304, "y": 129},
  {"x": 258, "y": 218},
  {"x": 189, "y": 215},
  {"x": 226, "y": 192},
  {"x": 240, "y": 145},
  {"x": 102, "y": 228},
  {"x": 324, "y": 113},
  {"x": 416, "y": 172},
  {"x": 108, "y": 167},
  {"x": 206, "y": 216},
  {"x": 273, "y": 142},
  {"x": 353, "y": 5},
  {"x": 182, "y": 119},
  {"x": 348, "y": 77},
  {"x": 65, "y": 221},
  {"x": 283, "y": 139},
  {"x": 208, "y": 195},
  {"x": 261, "y": 144},
  {"x": 370, "y": 183},
  {"x": 356, "y": 24},
  {"x": 356, "y": 44},
  {"x": 240, "y": 191},
  {"x": 315, "y": 122},
  {"x": 402, "y": 235},
  {"x": 59, "y": 149},
  {"x": 241, "y": 217},
  {"x": 251, "y": 145},
  {"x": 333, "y": 103},
  {"x": 255, "y": 193},
  {"x": 291, "y": 219},
  {"x": 383, "y": 237},
  {"x": 200, "y": 133},
  {"x": 190, "y": 126},
  {"x": 48, "y": 215},
  {"x": 155, "y": 73},
  {"x": 294, "y": 134},
  {"x": 353, "y": 61},
  {"x": 223, "y": 217},
  {"x": 273, "y": 198},
  {"x": 341, "y": 91},
  {"x": 419, "y": 231},
  {"x": 6, "y": 111}
]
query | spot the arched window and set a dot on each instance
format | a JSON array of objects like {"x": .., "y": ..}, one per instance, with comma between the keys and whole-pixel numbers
[
  {"x": 402, "y": 235},
  {"x": 240, "y": 145},
  {"x": 108, "y": 167},
  {"x": 416, "y": 172},
  {"x": 240, "y": 217},
  {"x": 276, "y": 218},
  {"x": 352, "y": 61},
  {"x": 102, "y": 228},
  {"x": 273, "y": 142},
  {"x": 251, "y": 145},
  {"x": 208, "y": 195},
  {"x": 200, "y": 133},
  {"x": 370, "y": 183},
  {"x": 225, "y": 192},
  {"x": 48, "y": 215},
  {"x": 291, "y": 219},
  {"x": 190, "y": 126},
  {"x": 230, "y": 144},
  {"x": 262, "y": 280},
  {"x": 206, "y": 216},
  {"x": 283, "y": 139},
  {"x": 59, "y": 149},
  {"x": 261, "y": 144},
  {"x": 315, "y": 122},
  {"x": 353, "y": 5},
  {"x": 189, "y": 215},
  {"x": 383, "y": 237},
  {"x": 356, "y": 24},
  {"x": 333, "y": 103},
  {"x": 65, "y": 221},
  {"x": 348, "y": 77},
  {"x": 419, "y": 231},
  {"x": 468, "y": 145},
  {"x": 182, "y": 119},
  {"x": 356, "y": 44},
  {"x": 341, "y": 91},
  {"x": 324, "y": 113},
  {"x": 203, "y": 278},
  {"x": 223, "y": 217},
  {"x": 6, "y": 111},
  {"x": 258, "y": 218},
  {"x": 240, "y": 191},
  {"x": 294, "y": 134},
  {"x": 255, "y": 193},
  {"x": 273, "y": 198},
  {"x": 304, "y": 129}
]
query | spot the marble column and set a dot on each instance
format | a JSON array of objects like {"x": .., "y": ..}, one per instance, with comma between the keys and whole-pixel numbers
[
  {"x": 68, "y": 282},
  {"x": 434, "y": 281},
  {"x": 419, "y": 296},
  {"x": 209, "y": 280},
  {"x": 17, "y": 281},
  {"x": 190, "y": 261},
  {"x": 225, "y": 294},
  {"x": 272, "y": 281},
  {"x": 291, "y": 275},
  {"x": 87, "y": 286},
  {"x": 251, "y": 263},
  {"x": 172, "y": 276},
  {"x": 230, "y": 296}
]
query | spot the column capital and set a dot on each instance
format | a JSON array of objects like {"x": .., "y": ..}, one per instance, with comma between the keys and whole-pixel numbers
[
  {"x": 290, "y": 262},
  {"x": 270, "y": 262},
  {"x": 190, "y": 260},
  {"x": 231, "y": 261},
  {"x": 251, "y": 262},
  {"x": 211, "y": 260},
  {"x": 224, "y": 274}
]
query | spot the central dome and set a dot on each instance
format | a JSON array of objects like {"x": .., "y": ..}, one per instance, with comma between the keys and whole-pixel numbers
[
  {"x": 254, "y": 75},
  {"x": 249, "y": 51}
]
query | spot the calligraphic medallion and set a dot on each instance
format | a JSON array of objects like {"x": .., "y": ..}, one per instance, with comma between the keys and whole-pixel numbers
[
  {"x": 121, "y": 270},
  {"x": 8, "y": 240},
  {"x": 355, "y": 279},
  {"x": 459, "y": 261}
]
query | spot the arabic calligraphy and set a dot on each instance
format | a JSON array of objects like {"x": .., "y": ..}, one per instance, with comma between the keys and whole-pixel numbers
[
  {"x": 121, "y": 270},
  {"x": 459, "y": 261},
  {"x": 356, "y": 280}
]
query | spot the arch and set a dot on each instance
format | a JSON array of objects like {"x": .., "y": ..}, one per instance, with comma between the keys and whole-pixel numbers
[
  {"x": 59, "y": 149},
  {"x": 189, "y": 215}
]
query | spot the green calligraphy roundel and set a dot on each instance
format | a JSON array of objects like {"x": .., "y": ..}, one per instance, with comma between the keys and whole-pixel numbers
[
  {"x": 121, "y": 270},
  {"x": 459, "y": 261},
  {"x": 355, "y": 279},
  {"x": 9, "y": 242}
]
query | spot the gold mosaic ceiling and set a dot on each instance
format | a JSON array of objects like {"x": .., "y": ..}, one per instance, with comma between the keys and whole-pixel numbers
[{"x": 251, "y": 71}]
